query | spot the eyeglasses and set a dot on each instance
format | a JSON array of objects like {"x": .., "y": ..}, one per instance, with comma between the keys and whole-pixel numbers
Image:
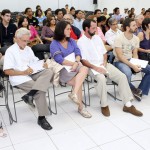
[
  {"x": 25, "y": 41},
  {"x": 114, "y": 24},
  {"x": 67, "y": 19}
]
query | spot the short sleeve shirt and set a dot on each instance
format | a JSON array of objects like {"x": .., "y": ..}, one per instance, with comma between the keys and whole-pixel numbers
[{"x": 126, "y": 45}]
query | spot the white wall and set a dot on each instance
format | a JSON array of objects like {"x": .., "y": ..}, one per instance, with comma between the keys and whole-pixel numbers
[{"x": 20, "y": 5}]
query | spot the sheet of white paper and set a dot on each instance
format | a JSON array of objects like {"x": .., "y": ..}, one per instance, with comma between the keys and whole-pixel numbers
[
  {"x": 95, "y": 72},
  {"x": 37, "y": 66},
  {"x": 70, "y": 57},
  {"x": 142, "y": 63}
]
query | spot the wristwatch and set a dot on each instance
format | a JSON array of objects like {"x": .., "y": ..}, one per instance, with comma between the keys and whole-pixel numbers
[{"x": 77, "y": 61}]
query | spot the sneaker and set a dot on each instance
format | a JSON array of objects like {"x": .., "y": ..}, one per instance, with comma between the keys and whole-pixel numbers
[
  {"x": 132, "y": 110},
  {"x": 74, "y": 98},
  {"x": 137, "y": 94},
  {"x": 85, "y": 113},
  {"x": 105, "y": 111}
]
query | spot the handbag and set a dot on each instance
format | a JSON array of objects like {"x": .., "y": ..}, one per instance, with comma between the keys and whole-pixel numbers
[{"x": 34, "y": 42}]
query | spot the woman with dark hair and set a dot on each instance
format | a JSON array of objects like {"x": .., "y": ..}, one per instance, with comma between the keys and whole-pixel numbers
[
  {"x": 48, "y": 30},
  {"x": 66, "y": 52},
  {"x": 34, "y": 39},
  {"x": 144, "y": 50},
  {"x": 40, "y": 17}
]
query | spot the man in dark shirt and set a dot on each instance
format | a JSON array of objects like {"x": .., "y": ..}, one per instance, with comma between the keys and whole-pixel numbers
[
  {"x": 32, "y": 20},
  {"x": 7, "y": 29}
]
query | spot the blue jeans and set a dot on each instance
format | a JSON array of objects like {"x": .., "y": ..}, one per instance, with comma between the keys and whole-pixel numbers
[{"x": 145, "y": 82}]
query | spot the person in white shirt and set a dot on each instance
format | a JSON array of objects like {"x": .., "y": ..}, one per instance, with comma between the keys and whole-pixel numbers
[
  {"x": 112, "y": 32},
  {"x": 110, "y": 36},
  {"x": 94, "y": 56},
  {"x": 17, "y": 64},
  {"x": 125, "y": 14}
]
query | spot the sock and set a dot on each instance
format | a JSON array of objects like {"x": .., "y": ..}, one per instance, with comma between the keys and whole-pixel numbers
[
  {"x": 128, "y": 104},
  {"x": 41, "y": 117},
  {"x": 32, "y": 92}
]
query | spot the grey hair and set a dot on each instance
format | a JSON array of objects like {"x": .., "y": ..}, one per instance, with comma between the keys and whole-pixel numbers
[
  {"x": 22, "y": 31},
  {"x": 138, "y": 17},
  {"x": 111, "y": 21}
]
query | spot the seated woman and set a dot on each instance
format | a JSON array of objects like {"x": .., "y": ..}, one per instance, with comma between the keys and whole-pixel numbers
[
  {"x": 66, "y": 52},
  {"x": 144, "y": 50},
  {"x": 48, "y": 30},
  {"x": 40, "y": 17},
  {"x": 34, "y": 39}
]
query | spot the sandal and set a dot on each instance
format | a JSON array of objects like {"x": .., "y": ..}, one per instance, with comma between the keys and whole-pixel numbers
[
  {"x": 2, "y": 134},
  {"x": 85, "y": 113},
  {"x": 74, "y": 98}
]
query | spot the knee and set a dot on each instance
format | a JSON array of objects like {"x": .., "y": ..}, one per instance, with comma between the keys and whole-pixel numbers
[
  {"x": 101, "y": 79},
  {"x": 84, "y": 70}
]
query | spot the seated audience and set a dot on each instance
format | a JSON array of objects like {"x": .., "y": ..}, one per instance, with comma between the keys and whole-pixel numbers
[
  {"x": 18, "y": 58},
  {"x": 48, "y": 13},
  {"x": 58, "y": 15},
  {"x": 142, "y": 11},
  {"x": 7, "y": 29},
  {"x": 31, "y": 19},
  {"x": 97, "y": 13},
  {"x": 117, "y": 15},
  {"x": 105, "y": 13},
  {"x": 91, "y": 46},
  {"x": 125, "y": 14},
  {"x": 139, "y": 19},
  {"x": 78, "y": 20},
  {"x": 40, "y": 17},
  {"x": 34, "y": 39},
  {"x": 48, "y": 30},
  {"x": 112, "y": 32},
  {"x": 72, "y": 11},
  {"x": 67, "y": 8},
  {"x": 111, "y": 35},
  {"x": 126, "y": 47},
  {"x": 39, "y": 7},
  {"x": 147, "y": 14},
  {"x": 66, "y": 52},
  {"x": 75, "y": 32},
  {"x": 101, "y": 21},
  {"x": 144, "y": 49}
]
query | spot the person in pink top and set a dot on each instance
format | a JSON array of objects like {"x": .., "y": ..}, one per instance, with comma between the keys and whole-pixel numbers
[{"x": 34, "y": 39}]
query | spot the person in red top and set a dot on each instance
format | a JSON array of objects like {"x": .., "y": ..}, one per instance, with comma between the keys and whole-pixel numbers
[{"x": 75, "y": 32}]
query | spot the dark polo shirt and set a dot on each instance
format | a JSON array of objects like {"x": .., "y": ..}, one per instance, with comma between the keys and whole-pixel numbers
[
  {"x": 7, "y": 34},
  {"x": 34, "y": 21}
]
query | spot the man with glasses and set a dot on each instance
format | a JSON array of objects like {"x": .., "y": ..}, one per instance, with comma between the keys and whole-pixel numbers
[
  {"x": 24, "y": 72},
  {"x": 75, "y": 32},
  {"x": 112, "y": 32}
]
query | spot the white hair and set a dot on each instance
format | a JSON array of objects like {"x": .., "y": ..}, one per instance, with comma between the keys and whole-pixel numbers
[{"x": 22, "y": 31}]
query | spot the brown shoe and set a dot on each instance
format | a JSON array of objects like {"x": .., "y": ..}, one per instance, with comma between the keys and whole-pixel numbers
[
  {"x": 132, "y": 110},
  {"x": 105, "y": 111}
]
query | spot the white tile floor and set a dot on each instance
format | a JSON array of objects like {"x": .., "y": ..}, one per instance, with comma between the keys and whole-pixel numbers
[{"x": 120, "y": 131}]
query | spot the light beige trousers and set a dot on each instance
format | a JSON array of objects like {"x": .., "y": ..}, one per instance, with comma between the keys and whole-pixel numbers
[
  {"x": 40, "y": 82},
  {"x": 116, "y": 76}
]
